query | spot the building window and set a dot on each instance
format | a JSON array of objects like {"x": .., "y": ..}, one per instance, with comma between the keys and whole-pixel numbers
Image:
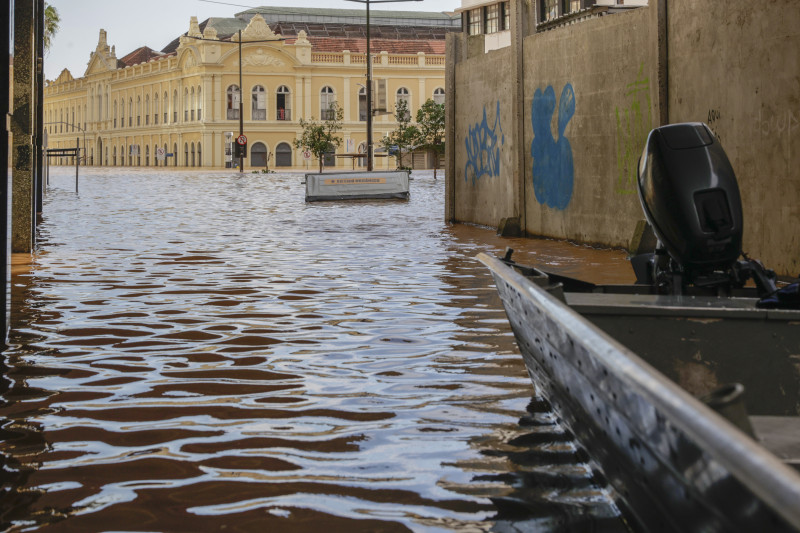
[
  {"x": 438, "y": 95},
  {"x": 403, "y": 96},
  {"x": 234, "y": 97},
  {"x": 130, "y": 111},
  {"x": 115, "y": 113},
  {"x": 193, "y": 161},
  {"x": 114, "y": 156},
  {"x": 146, "y": 155},
  {"x": 199, "y": 105},
  {"x": 259, "y": 103},
  {"x": 186, "y": 154},
  {"x": 147, "y": 110},
  {"x": 175, "y": 107},
  {"x": 474, "y": 23},
  {"x": 186, "y": 104},
  {"x": 571, "y": 6},
  {"x": 506, "y": 13},
  {"x": 362, "y": 104},
  {"x": 326, "y": 99},
  {"x": 138, "y": 110},
  {"x": 122, "y": 114},
  {"x": 549, "y": 9},
  {"x": 166, "y": 100},
  {"x": 492, "y": 19},
  {"x": 283, "y": 155},
  {"x": 155, "y": 108},
  {"x": 283, "y": 103},
  {"x": 199, "y": 156}
]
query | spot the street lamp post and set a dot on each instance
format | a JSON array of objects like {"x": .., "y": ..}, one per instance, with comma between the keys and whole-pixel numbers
[
  {"x": 369, "y": 79},
  {"x": 241, "y": 107}
]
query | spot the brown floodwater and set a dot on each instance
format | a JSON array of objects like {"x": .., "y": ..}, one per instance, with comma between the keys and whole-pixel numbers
[{"x": 203, "y": 351}]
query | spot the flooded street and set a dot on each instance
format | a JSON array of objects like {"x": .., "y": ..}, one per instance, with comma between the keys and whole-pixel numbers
[{"x": 198, "y": 351}]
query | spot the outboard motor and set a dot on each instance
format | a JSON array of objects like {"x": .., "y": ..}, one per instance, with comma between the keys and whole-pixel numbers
[{"x": 690, "y": 198}]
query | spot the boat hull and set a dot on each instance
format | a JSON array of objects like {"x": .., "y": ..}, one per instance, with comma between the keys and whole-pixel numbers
[{"x": 676, "y": 464}]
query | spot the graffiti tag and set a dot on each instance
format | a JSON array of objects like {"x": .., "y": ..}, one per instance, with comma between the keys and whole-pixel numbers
[
  {"x": 553, "y": 170},
  {"x": 632, "y": 130},
  {"x": 483, "y": 148}
]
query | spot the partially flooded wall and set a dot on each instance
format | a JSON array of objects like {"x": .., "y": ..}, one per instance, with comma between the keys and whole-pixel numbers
[
  {"x": 592, "y": 91},
  {"x": 484, "y": 140},
  {"x": 590, "y": 100}
]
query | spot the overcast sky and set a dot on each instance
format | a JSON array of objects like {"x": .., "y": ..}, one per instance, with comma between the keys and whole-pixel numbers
[{"x": 155, "y": 23}]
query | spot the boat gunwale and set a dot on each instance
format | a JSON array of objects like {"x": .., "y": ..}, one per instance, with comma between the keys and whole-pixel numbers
[{"x": 765, "y": 475}]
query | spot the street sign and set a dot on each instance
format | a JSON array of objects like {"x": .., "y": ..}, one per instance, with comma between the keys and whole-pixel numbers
[
  {"x": 307, "y": 154},
  {"x": 160, "y": 153},
  {"x": 241, "y": 140}
]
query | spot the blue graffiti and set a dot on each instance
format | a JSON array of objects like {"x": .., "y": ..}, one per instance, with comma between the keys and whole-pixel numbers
[
  {"x": 553, "y": 171},
  {"x": 483, "y": 150}
]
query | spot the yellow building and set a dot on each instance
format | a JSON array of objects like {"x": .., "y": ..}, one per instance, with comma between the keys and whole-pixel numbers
[{"x": 180, "y": 106}]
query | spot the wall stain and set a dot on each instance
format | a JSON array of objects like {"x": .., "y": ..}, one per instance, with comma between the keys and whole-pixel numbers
[
  {"x": 483, "y": 149},
  {"x": 553, "y": 168},
  {"x": 632, "y": 130}
]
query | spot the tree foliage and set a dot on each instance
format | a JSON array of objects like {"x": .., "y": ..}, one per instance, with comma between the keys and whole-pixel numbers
[
  {"x": 430, "y": 123},
  {"x": 51, "y": 22},
  {"x": 404, "y": 137},
  {"x": 319, "y": 137}
]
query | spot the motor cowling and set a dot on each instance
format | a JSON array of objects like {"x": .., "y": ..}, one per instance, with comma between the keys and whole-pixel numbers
[{"x": 690, "y": 197}]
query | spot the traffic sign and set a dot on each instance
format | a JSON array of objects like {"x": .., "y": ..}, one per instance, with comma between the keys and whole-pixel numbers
[
  {"x": 307, "y": 154},
  {"x": 160, "y": 153},
  {"x": 241, "y": 140}
]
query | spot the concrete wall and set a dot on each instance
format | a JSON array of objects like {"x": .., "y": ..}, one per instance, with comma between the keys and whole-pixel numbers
[
  {"x": 592, "y": 91},
  {"x": 735, "y": 65},
  {"x": 484, "y": 137},
  {"x": 590, "y": 101}
]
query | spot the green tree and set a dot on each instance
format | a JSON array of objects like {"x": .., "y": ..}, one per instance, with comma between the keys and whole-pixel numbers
[
  {"x": 404, "y": 137},
  {"x": 319, "y": 137},
  {"x": 51, "y": 21},
  {"x": 430, "y": 123}
]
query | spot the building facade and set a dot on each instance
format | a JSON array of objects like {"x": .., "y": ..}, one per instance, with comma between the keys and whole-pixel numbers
[{"x": 180, "y": 106}]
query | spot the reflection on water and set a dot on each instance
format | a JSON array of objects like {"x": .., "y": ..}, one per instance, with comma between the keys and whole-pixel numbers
[{"x": 196, "y": 351}]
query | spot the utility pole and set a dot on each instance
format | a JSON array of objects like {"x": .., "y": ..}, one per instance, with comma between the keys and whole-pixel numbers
[{"x": 369, "y": 79}]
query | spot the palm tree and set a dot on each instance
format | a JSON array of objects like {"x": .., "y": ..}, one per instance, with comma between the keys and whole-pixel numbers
[{"x": 51, "y": 20}]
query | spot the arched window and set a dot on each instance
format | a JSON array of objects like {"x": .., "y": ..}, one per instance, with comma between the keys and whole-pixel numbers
[
  {"x": 84, "y": 118},
  {"x": 73, "y": 119},
  {"x": 147, "y": 155},
  {"x": 362, "y": 104},
  {"x": 403, "y": 96},
  {"x": 99, "y": 104},
  {"x": 186, "y": 104},
  {"x": 258, "y": 155},
  {"x": 283, "y": 155},
  {"x": 175, "y": 107},
  {"x": 61, "y": 121},
  {"x": 199, "y": 104},
  {"x": 199, "y": 156},
  {"x": 326, "y": 99},
  {"x": 234, "y": 97},
  {"x": 283, "y": 103},
  {"x": 193, "y": 154},
  {"x": 115, "y": 113},
  {"x": 130, "y": 111},
  {"x": 186, "y": 154},
  {"x": 138, "y": 110},
  {"x": 147, "y": 110},
  {"x": 175, "y": 155},
  {"x": 106, "y": 158},
  {"x": 438, "y": 95},
  {"x": 122, "y": 155},
  {"x": 259, "y": 104},
  {"x": 114, "y": 157},
  {"x": 155, "y": 108},
  {"x": 122, "y": 113},
  {"x": 166, "y": 103}
]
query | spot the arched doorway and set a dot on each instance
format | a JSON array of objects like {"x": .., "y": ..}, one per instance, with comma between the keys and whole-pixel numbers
[
  {"x": 283, "y": 155},
  {"x": 99, "y": 151},
  {"x": 362, "y": 149},
  {"x": 258, "y": 155}
]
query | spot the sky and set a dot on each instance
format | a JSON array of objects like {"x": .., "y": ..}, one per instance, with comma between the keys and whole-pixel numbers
[{"x": 155, "y": 23}]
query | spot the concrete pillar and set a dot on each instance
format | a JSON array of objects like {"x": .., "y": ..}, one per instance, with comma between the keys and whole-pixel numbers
[
  {"x": 23, "y": 202},
  {"x": 453, "y": 54}
]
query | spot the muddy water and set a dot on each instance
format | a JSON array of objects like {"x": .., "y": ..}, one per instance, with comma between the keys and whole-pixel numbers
[{"x": 206, "y": 351}]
